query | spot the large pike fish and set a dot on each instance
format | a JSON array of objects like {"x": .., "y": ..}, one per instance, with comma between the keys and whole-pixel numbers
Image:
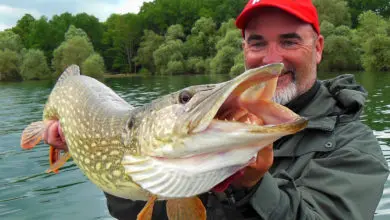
[{"x": 174, "y": 148}]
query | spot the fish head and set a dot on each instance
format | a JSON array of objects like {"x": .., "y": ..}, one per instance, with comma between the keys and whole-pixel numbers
[{"x": 210, "y": 118}]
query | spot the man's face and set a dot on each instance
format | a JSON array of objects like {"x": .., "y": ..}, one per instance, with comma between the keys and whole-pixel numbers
[{"x": 274, "y": 36}]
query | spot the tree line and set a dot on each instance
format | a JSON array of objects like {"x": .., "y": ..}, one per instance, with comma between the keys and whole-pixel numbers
[{"x": 182, "y": 37}]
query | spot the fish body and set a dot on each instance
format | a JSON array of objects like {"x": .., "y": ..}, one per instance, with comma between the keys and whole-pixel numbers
[{"x": 178, "y": 146}]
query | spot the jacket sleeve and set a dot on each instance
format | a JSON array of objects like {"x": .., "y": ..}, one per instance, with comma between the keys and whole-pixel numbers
[{"x": 346, "y": 183}]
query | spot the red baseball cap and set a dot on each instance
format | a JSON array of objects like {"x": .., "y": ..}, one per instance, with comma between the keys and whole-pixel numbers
[{"x": 302, "y": 9}]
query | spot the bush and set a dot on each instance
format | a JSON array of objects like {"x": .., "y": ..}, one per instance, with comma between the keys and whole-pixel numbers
[
  {"x": 73, "y": 51},
  {"x": 239, "y": 66},
  {"x": 93, "y": 66},
  {"x": 223, "y": 61},
  {"x": 196, "y": 65},
  {"x": 377, "y": 53},
  {"x": 9, "y": 65},
  {"x": 34, "y": 65},
  {"x": 175, "y": 67}
]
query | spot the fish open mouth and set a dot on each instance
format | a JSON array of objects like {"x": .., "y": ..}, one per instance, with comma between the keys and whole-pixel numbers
[
  {"x": 245, "y": 103},
  {"x": 237, "y": 113}
]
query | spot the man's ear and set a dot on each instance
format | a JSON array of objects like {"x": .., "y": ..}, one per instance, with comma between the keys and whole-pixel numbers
[{"x": 319, "y": 48}]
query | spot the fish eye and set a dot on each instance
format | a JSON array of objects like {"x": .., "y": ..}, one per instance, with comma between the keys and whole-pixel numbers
[{"x": 185, "y": 96}]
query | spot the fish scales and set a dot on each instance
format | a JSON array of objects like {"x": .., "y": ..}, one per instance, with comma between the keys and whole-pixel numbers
[{"x": 105, "y": 112}]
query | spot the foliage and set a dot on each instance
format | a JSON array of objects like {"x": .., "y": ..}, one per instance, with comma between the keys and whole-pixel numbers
[
  {"x": 122, "y": 37},
  {"x": 149, "y": 42},
  {"x": 373, "y": 37},
  {"x": 169, "y": 52},
  {"x": 10, "y": 40},
  {"x": 357, "y": 7},
  {"x": 377, "y": 53},
  {"x": 34, "y": 65},
  {"x": 73, "y": 51},
  {"x": 175, "y": 32},
  {"x": 73, "y": 32},
  {"x": 23, "y": 27},
  {"x": 334, "y": 11},
  {"x": 93, "y": 66},
  {"x": 201, "y": 41},
  {"x": 9, "y": 65},
  {"x": 223, "y": 61},
  {"x": 197, "y": 65},
  {"x": 326, "y": 28},
  {"x": 239, "y": 66}
]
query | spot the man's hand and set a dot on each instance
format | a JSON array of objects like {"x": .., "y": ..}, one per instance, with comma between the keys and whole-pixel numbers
[
  {"x": 256, "y": 170},
  {"x": 53, "y": 135}
]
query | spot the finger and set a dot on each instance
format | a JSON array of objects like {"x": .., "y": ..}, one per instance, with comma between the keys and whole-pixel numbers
[
  {"x": 52, "y": 132},
  {"x": 264, "y": 159},
  {"x": 46, "y": 132},
  {"x": 61, "y": 133}
]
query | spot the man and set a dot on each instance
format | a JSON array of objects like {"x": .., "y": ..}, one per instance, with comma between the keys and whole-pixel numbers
[{"x": 334, "y": 169}]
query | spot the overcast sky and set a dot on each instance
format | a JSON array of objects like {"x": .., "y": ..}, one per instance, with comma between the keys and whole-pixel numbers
[{"x": 12, "y": 10}]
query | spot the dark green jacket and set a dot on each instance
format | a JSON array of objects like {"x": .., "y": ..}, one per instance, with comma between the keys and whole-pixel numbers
[{"x": 334, "y": 169}]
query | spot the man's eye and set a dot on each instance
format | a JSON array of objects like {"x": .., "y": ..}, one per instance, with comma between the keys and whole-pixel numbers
[
  {"x": 288, "y": 43},
  {"x": 257, "y": 45}
]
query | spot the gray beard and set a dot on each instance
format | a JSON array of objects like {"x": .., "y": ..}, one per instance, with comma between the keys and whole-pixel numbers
[{"x": 285, "y": 95}]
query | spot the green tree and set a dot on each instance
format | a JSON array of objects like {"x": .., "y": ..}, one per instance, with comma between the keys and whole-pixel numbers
[
  {"x": 73, "y": 51},
  {"x": 149, "y": 42},
  {"x": 175, "y": 32},
  {"x": 334, "y": 11},
  {"x": 239, "y": 65},
  {"x": 326, "y": 28},
  {"x": 10, "y": 40},
  {"x": 372, "y": 36},
  {"x": 227, "y": 49},
  {"x": 122, "y": 37},
  {"x": 92, "y": 27},
  {"x": 73, "y": 32},
  {"x": 357, "y": 7},
  {"x": 23, "y": 27},
  {"x": 34, "y": 65},
  {"x": 94, "y": 66},
  {"x": 170, "y": 52},
  {"x": 41, "y": 37},
  {"x": 376, "y": 55},
  {"x": 201, "y": 42},
  {"x": 9, "y": 65},
  {"x": 60, "y": 25},
  {"x": 370, "y": 24}
]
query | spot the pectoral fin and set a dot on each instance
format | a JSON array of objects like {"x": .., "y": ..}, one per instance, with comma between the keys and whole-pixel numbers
[
  {"x": 186, "y": 208},
  {"x": 147, "y": 212},
  {"x": 56, "y": 160},
  {"x": 32, "y": 135}
]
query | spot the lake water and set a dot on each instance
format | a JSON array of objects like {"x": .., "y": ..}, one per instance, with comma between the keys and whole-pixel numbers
[{"x": 26, "y": 192}]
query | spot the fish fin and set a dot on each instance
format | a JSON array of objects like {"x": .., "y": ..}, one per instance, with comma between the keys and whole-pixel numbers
[
  {"x": 147, "y": 212},
  {"x": 54, "y": 154},
  {"x": 58, "y": 162},
  {"x": 32, "y": 135},
  {"x": 72, "y": 70},
  {"x": 186, "y": 208}
]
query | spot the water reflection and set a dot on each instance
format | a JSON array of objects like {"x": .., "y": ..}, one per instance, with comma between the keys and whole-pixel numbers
[{"x": 26, "y": 192}]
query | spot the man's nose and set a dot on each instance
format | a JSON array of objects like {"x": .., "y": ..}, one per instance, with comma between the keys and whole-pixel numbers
[{"x": 273, "y": 55}]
